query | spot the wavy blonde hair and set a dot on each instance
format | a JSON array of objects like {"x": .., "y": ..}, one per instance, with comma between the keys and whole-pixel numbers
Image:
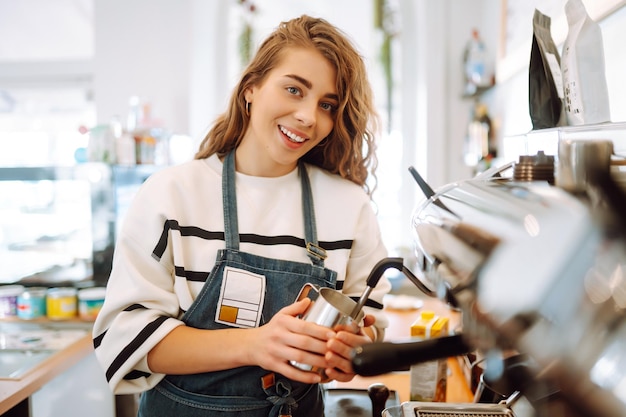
[{"x": 349, "y": 149}]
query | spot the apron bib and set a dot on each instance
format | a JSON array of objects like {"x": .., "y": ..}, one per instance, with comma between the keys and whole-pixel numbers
[{"x": 245, "y": 290}]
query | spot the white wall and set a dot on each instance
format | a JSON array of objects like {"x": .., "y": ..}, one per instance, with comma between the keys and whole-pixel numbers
[
  {"x": 461, "y": 18},
  {"x": 209, "y": 84},
  {"x": 188, "y": 67},
  {"x": 143, "y": 48},
  {"x": 182, "y": 55}
]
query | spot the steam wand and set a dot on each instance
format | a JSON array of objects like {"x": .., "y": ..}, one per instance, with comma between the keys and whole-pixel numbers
[
  {"x": 377, "y": 272},
  {"x": 373, "y": 279}
]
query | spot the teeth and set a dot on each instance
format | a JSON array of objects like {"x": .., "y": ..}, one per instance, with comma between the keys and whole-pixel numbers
[{"x": 292, "y": 135}]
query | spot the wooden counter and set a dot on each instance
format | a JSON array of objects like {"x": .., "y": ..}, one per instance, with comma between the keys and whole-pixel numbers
[
  {"x": 399, "y": 329},
  {"x": 14, "y": 391}
]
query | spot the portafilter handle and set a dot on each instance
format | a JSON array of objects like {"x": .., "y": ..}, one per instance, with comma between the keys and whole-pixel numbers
[{"x": 383, "y": 357}]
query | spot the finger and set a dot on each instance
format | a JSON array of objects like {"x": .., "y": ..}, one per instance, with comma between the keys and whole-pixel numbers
[
  {"x": 349, "y": 339},
  {"x": 311, "y": 329},
  {"x": 339, "y": 368},
  {"x": 283, "y": 355},
  {"x": 341, "y": 363},
  {"x": 291, "y": 372},
  {"x": 347, "y": 327},
  {"x": 369, "y": 320},
  {"x": 309, "y": 359},
  {"x": 305, "y": 345},
  {"x": 338, "y": 348},
  {"x": 337, "y": 375},
  {"x": 296, "y": 308}
]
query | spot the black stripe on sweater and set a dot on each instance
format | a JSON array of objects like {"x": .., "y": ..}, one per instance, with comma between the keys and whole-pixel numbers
[
  {"x": 136, "y": 375},
  {"x": 244, "y": 238},
  {"x": 97, "y": 341},
  {"x": 194, "y": 276},
  {"x": 133, "y": 346}
]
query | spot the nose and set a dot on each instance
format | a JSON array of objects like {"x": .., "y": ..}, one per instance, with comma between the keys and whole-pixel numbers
[{"x": 306, "y": 112}]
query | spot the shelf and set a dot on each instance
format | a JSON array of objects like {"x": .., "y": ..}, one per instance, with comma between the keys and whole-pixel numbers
[{"x": 480, "y": 90}]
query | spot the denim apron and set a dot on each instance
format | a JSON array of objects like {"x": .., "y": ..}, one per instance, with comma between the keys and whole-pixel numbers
[{"x": 245, "y": 391}]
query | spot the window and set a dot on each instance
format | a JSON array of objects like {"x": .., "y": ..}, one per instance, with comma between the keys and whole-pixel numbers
[{"x": 46, "y": 50}]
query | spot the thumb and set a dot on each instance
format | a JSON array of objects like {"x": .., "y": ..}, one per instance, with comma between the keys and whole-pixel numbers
[
  {"x": 297, "y": 308},
  {"x": 369, "y": 320}
]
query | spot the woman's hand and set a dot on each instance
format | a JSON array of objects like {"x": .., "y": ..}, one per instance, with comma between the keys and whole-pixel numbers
[
  {"x": 288, "y": 338},
  {"x": 339, "y": 351}
]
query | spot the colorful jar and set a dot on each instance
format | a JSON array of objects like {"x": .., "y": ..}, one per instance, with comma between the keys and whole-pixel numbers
[
  {"x": 90, "y": 301},
  {"x": 31, "y": 303},
  {"x": 61, "y": 303},
  {"x": 8, "y": 299}
]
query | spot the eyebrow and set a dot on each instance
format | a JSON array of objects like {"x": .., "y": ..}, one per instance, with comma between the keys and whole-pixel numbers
[{"x": 308, "y": 85}]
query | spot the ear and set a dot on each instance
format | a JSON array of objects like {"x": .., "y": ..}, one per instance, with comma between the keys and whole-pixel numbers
[{"x": 248, "y": 94}]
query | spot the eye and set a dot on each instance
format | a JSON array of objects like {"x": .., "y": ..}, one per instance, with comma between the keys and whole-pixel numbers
[
  {"x": 293, "y": 90},
  {"x": 328, "y": 107}
]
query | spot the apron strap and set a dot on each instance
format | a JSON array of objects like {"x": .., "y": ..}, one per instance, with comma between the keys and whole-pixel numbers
[
  {"x": 229, "y": 202},
  {"x": 316, "y": 253}
]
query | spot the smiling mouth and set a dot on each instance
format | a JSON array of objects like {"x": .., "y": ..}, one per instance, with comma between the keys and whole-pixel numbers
[{"x": 292, "y": 136}]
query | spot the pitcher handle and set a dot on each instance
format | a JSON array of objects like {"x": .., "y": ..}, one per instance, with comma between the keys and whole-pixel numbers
[{"x": 306, "y": 290}]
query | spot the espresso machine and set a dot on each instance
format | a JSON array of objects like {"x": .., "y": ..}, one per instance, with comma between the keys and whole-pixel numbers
[{"x": 533, "y": 253}]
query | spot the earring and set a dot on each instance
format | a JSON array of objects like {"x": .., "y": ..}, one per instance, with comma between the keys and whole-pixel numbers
[{"x": 248, "y": 108}]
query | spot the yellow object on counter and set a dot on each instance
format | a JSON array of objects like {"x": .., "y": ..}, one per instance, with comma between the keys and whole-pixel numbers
[
  {"x": 429, "y": 325},
  {"x": 61, "y": 303},
  {"x": 429, "y": 379}
]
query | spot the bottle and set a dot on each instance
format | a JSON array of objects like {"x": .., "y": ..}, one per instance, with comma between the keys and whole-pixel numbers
[
  {"x": 480, "y": 143},
  {"x": 134, "y": 114},
  {"x": 583, "y": 69},
  {"x": 101, "y": 144},
  {"x": 475, "y": 64},
  {"x": 478, "y": 133},
  {"x": 428, "y": 380},
  {"x": 125, "y": 148},
  {"x": 124, "y": 144}
]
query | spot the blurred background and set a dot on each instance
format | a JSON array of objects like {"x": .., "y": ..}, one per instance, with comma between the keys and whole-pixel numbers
[{"x": 71, "y": 70}]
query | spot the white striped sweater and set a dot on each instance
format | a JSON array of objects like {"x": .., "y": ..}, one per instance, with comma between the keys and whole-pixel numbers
[{"x": 154, "y": 280}]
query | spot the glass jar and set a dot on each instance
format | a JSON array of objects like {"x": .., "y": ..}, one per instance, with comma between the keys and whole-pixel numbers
[
  {"x": 61, "y": 303},
  {"x": 31, "y": 303}
]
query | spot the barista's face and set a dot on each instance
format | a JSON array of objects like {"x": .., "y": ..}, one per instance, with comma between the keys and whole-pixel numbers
[{"x": 292, "y": 111}]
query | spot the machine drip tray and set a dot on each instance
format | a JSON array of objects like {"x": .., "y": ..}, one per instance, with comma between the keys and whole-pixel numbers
[{"x": 434, "y": 409}]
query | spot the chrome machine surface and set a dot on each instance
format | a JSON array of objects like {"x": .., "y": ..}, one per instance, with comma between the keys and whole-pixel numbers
[
  {"x": 535, "y": 269},
  {"x": 540, "y": 270}
]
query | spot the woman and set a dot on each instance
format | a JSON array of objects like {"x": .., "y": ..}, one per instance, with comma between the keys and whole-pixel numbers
[{"x": 200, "y": 314}]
